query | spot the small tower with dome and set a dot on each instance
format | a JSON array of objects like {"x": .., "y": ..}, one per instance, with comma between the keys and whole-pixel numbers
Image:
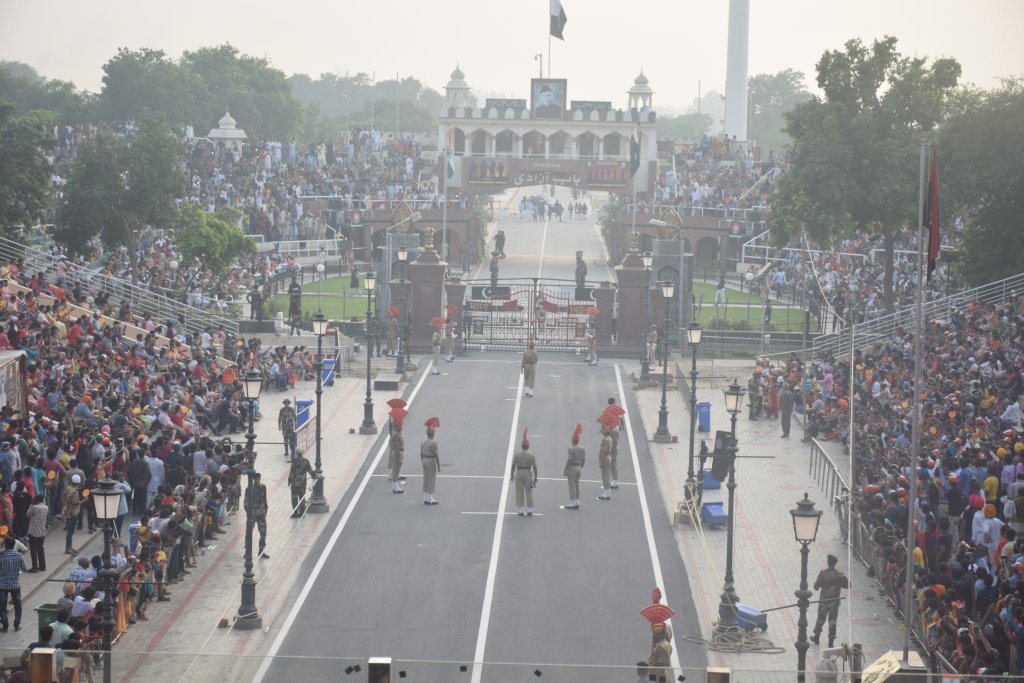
[
  {"x": 641, "y": 96},
  {"x": 456, "y": 92},
  {"x": 227, "y": 134}
]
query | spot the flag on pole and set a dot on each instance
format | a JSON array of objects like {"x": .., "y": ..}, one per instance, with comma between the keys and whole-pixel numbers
[
  {"x": 557, "y": 19},
  {"x": 634, "y": 155},
  {"x": 931, "y": 214},
  {"x": 449, "y": 155}
]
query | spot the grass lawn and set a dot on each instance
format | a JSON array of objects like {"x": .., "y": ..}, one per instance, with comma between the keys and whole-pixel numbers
[
  {"x": 335, "y": 299},
  {"x": 732, "y": 296},
  {"x": 783, "y": 319}
]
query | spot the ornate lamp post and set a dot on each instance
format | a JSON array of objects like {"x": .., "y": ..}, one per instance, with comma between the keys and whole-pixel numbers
[
  {"x": 321, "y": 268},
  {"x": 248, "y": 614},
  {"x": 318, "y": 503},
  {"x": 403, "y": 256},
  {"x": 645, "y": 361},
  {"x": 368, "y": 426},
  {"x": 693, "y": 335},
  {"x": 106, "y": 499},
  {"x": 661, "y": 435},
  {"x": 727, "y": 606},
  {"x": 805, "y": 527}
]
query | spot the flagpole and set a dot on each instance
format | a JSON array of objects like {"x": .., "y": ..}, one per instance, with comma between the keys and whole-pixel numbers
[
  {"x": 915, "y": 438},
  {"x": 444, "y": 204}
]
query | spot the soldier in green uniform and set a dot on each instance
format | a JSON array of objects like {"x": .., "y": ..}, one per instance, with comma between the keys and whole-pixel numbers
[
  {"x": 604, "y": 455},
  {"x": 658, "y": 666},
  {"x": 256, "y": 509},
  {"x": 529, "y": 368},
  {"x": 830, "y": 582},
  {"x": 392, "y": 330},
  {"x": 617, "y": 411},
  {"x": 524, "y": 474},
  {"x": 431, "y": 461},
  {"x": 297, "y": 482},
  {"x": 374, "y": 335},
  {"x": 286, "y": 423},
  {"x": 573, "y": 467},
  {"x": 396, "y": 449}
]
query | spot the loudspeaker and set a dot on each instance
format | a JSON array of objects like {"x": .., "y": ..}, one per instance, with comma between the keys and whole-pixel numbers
[{"x": 722, "y": 455}]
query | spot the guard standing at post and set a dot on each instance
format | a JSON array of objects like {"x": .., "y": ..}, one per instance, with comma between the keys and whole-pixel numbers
[
  {"x": 615, "y": 410},
  {"x": 297, "y": 482},
  {"x": 392, "y": 330},
  {"x": 431, "y": 461},
  {"x": 294, "y": 299},
  {"x": 396, "y": 446},
  {"x": 255, "y": 298},
  {"x": 449, "y": 333},
  {"x": 830, "y": 582},
  {"x": 258, "y": 510},
  {"x": 494, "y": 269},
  {"x": 573, "y": 468},
  {"x": 604, "y": 455},
  {"x": 286, "y": 424},
  {"x": 529, "y": 369},
  {"x": 435, "y": 344},
  {"x": 591, "y": 342},
  {"x": 524, "y": 474},
  {"x": 581, "y": 271}
]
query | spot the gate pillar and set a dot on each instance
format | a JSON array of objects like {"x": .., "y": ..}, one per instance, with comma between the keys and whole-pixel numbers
[
  {"x": 426, "y": 277},
  {"x": 633, "y": 280},
  {"x": 604, "y": 299},
  {"x": 455, "y": 295}
]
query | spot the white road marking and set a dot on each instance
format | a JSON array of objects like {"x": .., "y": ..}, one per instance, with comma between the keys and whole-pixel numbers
[
  {"x": 535, "y": 514},
  {"x": 492, "y": 568},
  {"x": 540, "y": 266},
  {"x": 648, "y": 528},
  {"x": 268, "y": 658}
]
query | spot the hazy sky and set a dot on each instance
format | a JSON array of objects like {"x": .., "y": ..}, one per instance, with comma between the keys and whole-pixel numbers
[{"x": 677, "y": 43}]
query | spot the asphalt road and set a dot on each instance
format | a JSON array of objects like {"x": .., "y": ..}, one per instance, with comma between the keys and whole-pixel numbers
[{"x": 438, "y": 588}]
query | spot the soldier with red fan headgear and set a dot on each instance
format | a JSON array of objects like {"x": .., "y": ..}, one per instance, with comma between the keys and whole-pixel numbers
[
  {"x": 608, "y": 422},
  {"x": 431, "y": 461},
  {"x": 659, "y": 661},
  {"x": 615, "y": 409},
  {"x": 396, "y": 446},
  {"x": 573, "y": 467},
  {"x": 524, "y": 474},
  {"x": 529, "y": 366},
  {"x": 435, "y": 342}
]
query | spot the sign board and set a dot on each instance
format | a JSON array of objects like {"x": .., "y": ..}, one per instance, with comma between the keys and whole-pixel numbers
[
  {"x": 590, "y": 104},
  {"x": 500, "y": 103}
]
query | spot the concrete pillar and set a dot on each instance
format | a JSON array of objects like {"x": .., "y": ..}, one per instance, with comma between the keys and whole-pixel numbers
[
  {"x": 455, "y": 295},
  {"x": 632, "y": 279},
  {"x": 736, "y": 70},
  {"x": 426, "y": 275},
  {"x": 604, "y": 299}
]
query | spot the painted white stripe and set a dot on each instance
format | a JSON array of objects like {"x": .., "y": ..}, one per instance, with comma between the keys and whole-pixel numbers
[
  {"x": 268, "y": 658},
  {"x": 648, "y": 527},
  {"x": 535, "y": 514},
  {"x": 540, "y": 265},
  {"x": 492, "y": 568}
]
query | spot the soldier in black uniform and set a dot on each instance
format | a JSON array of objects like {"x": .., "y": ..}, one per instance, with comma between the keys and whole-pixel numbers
[
  {"x": 830, "y": 582},
  {"x": 581, "y": 271},
  {"x": 294, "y": 298},
  {"x": 494, "y": 269},
  {"x": 255, "y": 299}
]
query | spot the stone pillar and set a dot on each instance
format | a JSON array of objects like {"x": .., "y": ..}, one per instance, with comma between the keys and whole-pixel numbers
[
  {"x": 455, "y": 295},
  {"x": 604, "y": 299},
  {"x": 426, "y": 276},
  {"x": 633, "y": 279}
]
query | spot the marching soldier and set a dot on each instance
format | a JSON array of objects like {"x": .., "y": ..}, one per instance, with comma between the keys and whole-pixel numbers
[
  {"x": 581, "y": 271},
  {"x": 392, "y": 330},
  {"x": 286, "y": 424},
  {"x": 449, "y": 340},
  {"x": 524, "y": 474},
  {"x": 604, "y": 455},
  {"x": 256, "y": 507},
  {"x": 436, "y": 347},
  {"x": 431, "y": 461},
  {"x": 396, "y": 452},
  {"x": 616, "y": 411},
  {"x": 830, "y": 582},
  {"x": 658, "y": 666},
  {"x": 374, "y": 335},
  {"x": 591, "y": 344},
  {"x": 529, "y": 369},
  {"x": 573, "y": 467},
  {"x": 297, "y": 482}
]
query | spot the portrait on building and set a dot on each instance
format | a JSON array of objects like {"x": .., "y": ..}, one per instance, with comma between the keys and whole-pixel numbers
[{"x": 547, "y": 97}]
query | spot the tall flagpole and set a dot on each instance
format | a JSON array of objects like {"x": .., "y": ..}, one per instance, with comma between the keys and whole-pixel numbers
[
  {"x": 915, "y": 438},
  {"x": 444, "y": 205}
]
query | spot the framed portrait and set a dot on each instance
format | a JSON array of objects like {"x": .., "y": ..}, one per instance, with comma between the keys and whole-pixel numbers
[{"x": 547, "y": 97}]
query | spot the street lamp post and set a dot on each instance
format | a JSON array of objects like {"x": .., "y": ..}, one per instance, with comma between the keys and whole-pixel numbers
[
  {"x": 321, "y": 270},
  {"x": 661, "y": 435},
  {"x": 727, "y": 606},
  {"x": 248, "y": 614},
  {"x": 368, "y": 426},
  {"x": 318, "y": 503},
  {"x": 106, "y": 499},
  {"x": 403, "y": 256},
  {"x": 645, "y": 361},
  {"x": 693, "y": 335},
  {"x": 805, "y": 528}
]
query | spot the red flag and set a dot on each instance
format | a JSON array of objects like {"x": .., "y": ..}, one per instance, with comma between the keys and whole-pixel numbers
[{"x": 931, "y": 214}]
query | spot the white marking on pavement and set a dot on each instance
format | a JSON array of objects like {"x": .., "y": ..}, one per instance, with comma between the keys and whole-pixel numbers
[
  {"x": 268, "y": 658},
  {"x": 648, "y": 528},
  {"x": 535, "y": 514},
  {"x": 492, "y": 568},
  {"x": 540, "y": 268}
]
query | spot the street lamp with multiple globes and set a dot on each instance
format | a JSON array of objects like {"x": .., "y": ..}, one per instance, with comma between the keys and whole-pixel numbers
[
  {"x": 645, "y": 361},
  {"x": 368, "y": 426},
  {"x": 318, "y": 503},
  {"x": 248, "y": 614},
  {"x": 693, "y": 335},
  {"x": 805, "y": 528},
  {"x": 403, "y": 256},
  {"x": 661, "y": 435},
  {"x": 727, "y": 607},
  {"x": 106, "y": 499}
]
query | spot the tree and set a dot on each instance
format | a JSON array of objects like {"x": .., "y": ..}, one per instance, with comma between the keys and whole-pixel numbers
[
  {"x": 215, "y": 239},
  {"x": 24, "y": 172},
  {"x": 855, "y": 151},
  {"x": 141, "y": 80},
  {"x": 118, "y": 186},
  {"x": 685, "y": 127},
  {"x": 27, "y": 91},
  {"x": 769, "y": 97}
]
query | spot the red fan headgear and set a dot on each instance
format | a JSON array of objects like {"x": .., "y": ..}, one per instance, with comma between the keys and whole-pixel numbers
[
  {"x": 398, "y": 416},
  {"x": 450, "y": 309},
  {"x": 393, "y": 311},
  {"x": 437, "y": 321},
  {"x": 615, "y": 409},
  {"x": 592, "y": 311},
  {"x": 576, "y": 432},
  {"x": 608, "y": 420},
  {"x": 431, "y": 424},
  {"x": 397, "y": 403}
]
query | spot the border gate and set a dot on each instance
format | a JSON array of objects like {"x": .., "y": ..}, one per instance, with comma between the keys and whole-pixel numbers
[{"x": 507, "y": 316}]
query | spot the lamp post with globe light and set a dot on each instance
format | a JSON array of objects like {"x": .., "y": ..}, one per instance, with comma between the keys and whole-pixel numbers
[
  {"x": 369, "y": 426},
  {"x": 107, "y": 498},
  {"x": 727, "y": 606},
  {"x": 317, "y": 503},
  {"x": 693, "y": 335},
  {"x": 805, "y": 528},
  {"x": 248, "y": 614},
  {"x": 645, "y": 361},
  {"x": 403, "y": 344},
  {"x": 661, "y": 435}
]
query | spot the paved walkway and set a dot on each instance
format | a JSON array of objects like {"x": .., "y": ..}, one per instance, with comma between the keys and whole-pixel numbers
[{"x": 766, "y": 563}]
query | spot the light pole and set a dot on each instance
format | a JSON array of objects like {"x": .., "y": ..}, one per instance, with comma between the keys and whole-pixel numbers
[
  {"x": 386, "y": 259},
  {"x": 693, "y": 335},
  {"x": 403, "y": 256},
  {"x": 368, "y": 426},
  {"x": 661, "y": 435},
  {"x": 645, "y": 361},
  {"x": 320, "y": 270},
  {"x": 318, "y": 503},
  {"x": 248, "y": 614},
  {"x": 106, "y": 500},
  {"x": 805, "y": 527},
  {"x": 727, "y": 606}
]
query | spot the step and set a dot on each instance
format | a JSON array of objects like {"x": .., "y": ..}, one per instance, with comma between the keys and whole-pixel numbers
[{"x": 387, "y": 382}]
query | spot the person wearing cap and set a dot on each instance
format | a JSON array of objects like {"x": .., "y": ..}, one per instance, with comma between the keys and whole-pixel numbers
[
  {"x": 256, "y": 508},
  {"x": 300, "y": 469},
  {"x": 71, "y": 504},
  {"x": 431, "y": 460},
  {"x": 529, "y": 369},
  {"x": 449, "y": 340},
  {"x": 524, "y": 474},
  {"x": 396, "y": 455},
  {"x": 393, "y": 313},
  {"x": 830, "y": 583},
  {"x": 581, "y": 271},
  {"x": 613, "y": 467},
  {"x": 435, "y": 345},
  {"x": 286, "y": 419},
  {"x": 604, "y": 454},
  {"x": 573, "y": 468},
  {"x": 591, "y": 343}
]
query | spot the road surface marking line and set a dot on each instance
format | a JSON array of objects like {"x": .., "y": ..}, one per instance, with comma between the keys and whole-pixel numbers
[
  {"x": 648, "y": 528},
  {"x": 543, "y": 245},
  {"x": 307, "y": 588},
  {"x": 492, "y": 568},
  {"x": 535, "y": 514}
]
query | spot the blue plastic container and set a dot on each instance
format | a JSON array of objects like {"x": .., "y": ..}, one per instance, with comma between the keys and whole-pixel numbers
[
  {"x": 704, "y": 416},
  {"x": 303, "y": 411}
]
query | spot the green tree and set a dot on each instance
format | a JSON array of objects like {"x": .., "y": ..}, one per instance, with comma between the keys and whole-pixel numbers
[
  {"x": 685, "y": 127},
  {"x": 212, "y": 238},
  {"x": 141, "y": 80},
  {"x": 24, "y": 172},
  {"x": 27, "y": 91},
  {"x": 856, "y": 150},
  {"x": 769, "y": 97}
]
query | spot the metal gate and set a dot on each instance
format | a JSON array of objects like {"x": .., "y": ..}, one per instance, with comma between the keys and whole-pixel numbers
[{"x": 554, "y": 314}]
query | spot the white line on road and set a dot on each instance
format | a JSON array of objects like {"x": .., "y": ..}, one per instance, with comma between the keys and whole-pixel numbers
[
  {"x": 648, "y": 528},
  {"x": 535, "y": 514},
  {"x": 540, "y": 266},
  {"x": 492, "y": 568},
  {"x": 268, "y": 658}
]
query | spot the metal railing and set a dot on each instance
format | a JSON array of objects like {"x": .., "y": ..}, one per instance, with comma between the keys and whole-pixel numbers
[
  {"x": 304, "y": 248},
  {"x": 722, "y": 213}
]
